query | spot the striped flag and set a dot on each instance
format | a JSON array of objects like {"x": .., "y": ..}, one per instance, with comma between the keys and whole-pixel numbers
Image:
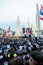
[
  {"x": 7, "y": 33},
  {"x": 41, "y": 13}
]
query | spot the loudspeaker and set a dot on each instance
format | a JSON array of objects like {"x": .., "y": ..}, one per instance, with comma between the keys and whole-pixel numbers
[{"x": 23, "y": 30}]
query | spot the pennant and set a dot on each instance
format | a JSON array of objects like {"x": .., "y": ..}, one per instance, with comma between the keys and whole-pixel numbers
[{"x": 41, "y": 13}]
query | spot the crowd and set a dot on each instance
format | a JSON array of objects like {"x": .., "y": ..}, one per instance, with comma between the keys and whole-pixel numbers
[{"x": 23, "y": 51}]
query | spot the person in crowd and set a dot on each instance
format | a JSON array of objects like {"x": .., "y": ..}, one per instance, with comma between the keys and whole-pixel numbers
[{"x": 36, "y": 58}]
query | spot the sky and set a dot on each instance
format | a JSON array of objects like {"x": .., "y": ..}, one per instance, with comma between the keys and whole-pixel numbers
[{"x": 25, "y": 9}]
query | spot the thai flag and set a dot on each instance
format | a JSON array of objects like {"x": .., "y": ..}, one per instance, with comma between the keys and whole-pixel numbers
[{"x": 41, "y": 13}]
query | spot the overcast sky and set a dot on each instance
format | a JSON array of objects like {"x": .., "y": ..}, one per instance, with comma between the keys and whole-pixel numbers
[{"x": 11, "y": 9}]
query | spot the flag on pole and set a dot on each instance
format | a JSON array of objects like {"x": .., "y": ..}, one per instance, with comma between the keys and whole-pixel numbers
[{"x": 41, "y": 13}]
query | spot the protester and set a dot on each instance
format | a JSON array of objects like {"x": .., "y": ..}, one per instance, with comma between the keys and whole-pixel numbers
[{"x": 12, "y": 49}]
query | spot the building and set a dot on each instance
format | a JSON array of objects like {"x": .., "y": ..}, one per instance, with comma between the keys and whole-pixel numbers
[{"x": 2, "y": 31}]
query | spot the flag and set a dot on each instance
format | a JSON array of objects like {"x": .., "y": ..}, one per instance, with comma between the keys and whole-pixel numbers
[
  {"x": 41, "y": 13},
  {"x": 30, "y": 30},
  {"x": 8, "y": 31}
]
